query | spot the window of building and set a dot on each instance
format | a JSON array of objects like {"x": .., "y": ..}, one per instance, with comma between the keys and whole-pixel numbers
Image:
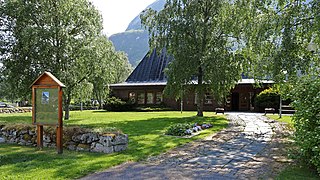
[
  {"x": 208, "y": 99},
  {"x": 132, "y": 97},
  {"x": 158, "y": 97},
  {"x": 141, "y": 98},
  {"x": 149, "y": 98}
]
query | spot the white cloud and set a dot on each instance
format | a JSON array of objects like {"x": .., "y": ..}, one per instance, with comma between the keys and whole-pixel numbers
[{"x": 117, "y": 14}]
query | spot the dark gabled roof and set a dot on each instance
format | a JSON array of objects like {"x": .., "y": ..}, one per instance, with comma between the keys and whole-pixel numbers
[{"x": 151, "y": 68}]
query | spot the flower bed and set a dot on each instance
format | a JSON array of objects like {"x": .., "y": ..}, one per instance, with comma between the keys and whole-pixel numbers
[{"x": 185, "y": 129}]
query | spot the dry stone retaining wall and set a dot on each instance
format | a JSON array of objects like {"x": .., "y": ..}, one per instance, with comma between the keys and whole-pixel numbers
[
  {"x": 16, "y": 110},
  {"x": 73, "y": 139}
]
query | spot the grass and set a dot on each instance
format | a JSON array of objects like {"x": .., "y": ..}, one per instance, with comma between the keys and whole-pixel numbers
[
  {"x": 145, "y": 130},
  {"x": 299, "y": 171},
  {"x": 284, "y": 118}
]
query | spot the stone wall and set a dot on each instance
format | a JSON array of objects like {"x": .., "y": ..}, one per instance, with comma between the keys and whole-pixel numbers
[
  {"x": 16, "y": 110},
  {"x": 74, "y": 138}
]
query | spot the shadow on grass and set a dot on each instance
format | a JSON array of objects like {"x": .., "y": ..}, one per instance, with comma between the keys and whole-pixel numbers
[
  {"x": 32, "y": 164},
  {"x": 146, "y": 138}
]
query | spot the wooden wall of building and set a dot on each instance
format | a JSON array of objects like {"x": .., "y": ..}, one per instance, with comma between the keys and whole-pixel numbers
[{"x": 241, "y": 98}]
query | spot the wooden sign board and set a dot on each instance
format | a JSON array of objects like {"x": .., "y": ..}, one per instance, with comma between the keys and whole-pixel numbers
[{"x": 47, "y": 106}]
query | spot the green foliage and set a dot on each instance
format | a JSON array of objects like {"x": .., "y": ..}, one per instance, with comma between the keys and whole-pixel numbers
[
  {"x": 278, "y": 35},
  {"x": 111, "y": 67},
  {"x": 201, "y": 36},
  {"x": 178, "y": 129},
  {"x": 306, "y": 96},
  {"x": 145, "y": 131},
  {"x": 268, "y": 98},
  {"x": 116, "y": 104},
  {"x": 63, "y": 37},
  {"x": 47, "y": 35}
]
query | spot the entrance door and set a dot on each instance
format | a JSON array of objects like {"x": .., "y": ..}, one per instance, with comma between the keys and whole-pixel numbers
[
  {"x": 235, "y": 102},
  {"x": 244, "y": 102}
]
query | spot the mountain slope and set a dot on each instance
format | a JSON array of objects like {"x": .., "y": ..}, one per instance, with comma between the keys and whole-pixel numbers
[
  {"x": 134, "y": 41},
  {"x": 135, "y": 24}
]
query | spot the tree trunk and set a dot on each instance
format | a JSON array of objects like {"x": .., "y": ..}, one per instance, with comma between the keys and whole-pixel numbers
[
  {"x": 66, "y": 106},
  {"x": 200, "y": 93},
  {"x": 98, "y": 97}
]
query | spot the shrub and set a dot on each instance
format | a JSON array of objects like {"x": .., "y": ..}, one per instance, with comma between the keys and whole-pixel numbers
[
  {"x": 306, "y": 100},
  {"x": 78, "y": 107},
  {"x": 178, "y": 129},
  {"x": 269, "y": 98},
  {"x": 116, "y": 104}
]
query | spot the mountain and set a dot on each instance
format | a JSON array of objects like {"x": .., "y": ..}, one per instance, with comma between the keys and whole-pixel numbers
[
  {"x": 135, "y": 24},
  {"x": 134, "y": 41}
]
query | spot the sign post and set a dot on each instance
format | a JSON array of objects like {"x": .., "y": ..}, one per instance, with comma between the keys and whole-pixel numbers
[{"x": 47, "y": 107}]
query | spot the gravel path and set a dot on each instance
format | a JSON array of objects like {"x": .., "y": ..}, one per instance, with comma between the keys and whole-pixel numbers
[{"x": 250, "y": 148}]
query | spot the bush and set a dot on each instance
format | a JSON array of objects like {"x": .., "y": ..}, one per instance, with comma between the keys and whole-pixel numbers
[
  {"x": 178, "y": 129},
  {"x": 116, "y": 104},
  {"x": 268, "y": 98},
  {"x": 306, "y": 100},
  {"x": 78, "y": 107}
]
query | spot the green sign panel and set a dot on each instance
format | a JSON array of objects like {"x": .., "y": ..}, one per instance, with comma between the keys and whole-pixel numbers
[{"x": 46, "y": 106}]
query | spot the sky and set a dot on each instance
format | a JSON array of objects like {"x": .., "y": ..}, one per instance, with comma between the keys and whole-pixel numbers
[{"x": 117, "y": 14}]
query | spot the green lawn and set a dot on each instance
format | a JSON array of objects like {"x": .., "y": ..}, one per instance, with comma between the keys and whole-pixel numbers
[
  {"x": 284, "y": 118},
  {"x": 145, "y": 130}
]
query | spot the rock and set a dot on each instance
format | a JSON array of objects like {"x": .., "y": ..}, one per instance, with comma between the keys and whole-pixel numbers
[
  {"x": 22, "y": 143},
  {"x": 120, "y": 139},
  {"x": 80, "y": 141},
  {"x": 34, "y": 140},
  {"x": 83, "y": 147},
  {"x": 83, "y": 138},
  {"x": 92, "y": 137},
  {"x": 119, "y": 148},
  {"x": 13, "y": 140},
  {"x": 72, "y": 147},
  {"x": 23, "y": 131},
  {"x": 89, "y": 138},
  {"x": 105, "y": 140},
  {"x": 32, "y": 132},
  {"x": 108, "y": 150},
  {"x": 2, "y": 140},
  {"x": 45, "y": 144},
  {"x": 97, "y": 147},
  {"x": 46, "y": 139},
  {"x": 76, "y": 138}
]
